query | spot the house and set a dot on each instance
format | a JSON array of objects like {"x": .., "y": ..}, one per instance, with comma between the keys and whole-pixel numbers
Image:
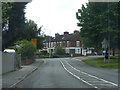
[{"x": 70, "y": 42}]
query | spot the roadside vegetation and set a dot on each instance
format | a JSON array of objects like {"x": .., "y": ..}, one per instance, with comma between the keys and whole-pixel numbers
[{"x": 114, "y": 62}]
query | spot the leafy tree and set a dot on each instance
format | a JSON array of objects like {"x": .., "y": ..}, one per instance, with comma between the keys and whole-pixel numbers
[
  {"x": 98, "y": 21},
  {"x": 40, "y": 40},
  {"x": 31, "y": 30},
  {"x": 6, "y": 7},
  {"x": 13, "y": 21},
  {"x": 26, "y": 48},
  {"x": 60, "y": 51}
]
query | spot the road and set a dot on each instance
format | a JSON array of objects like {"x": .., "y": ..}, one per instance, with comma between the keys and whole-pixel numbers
[{"x": 70, "y": 73}]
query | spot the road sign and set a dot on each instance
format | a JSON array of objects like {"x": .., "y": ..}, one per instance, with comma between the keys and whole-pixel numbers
[
  {"x": 105, "y": 44},
  {"x": 34, "y": 40}
]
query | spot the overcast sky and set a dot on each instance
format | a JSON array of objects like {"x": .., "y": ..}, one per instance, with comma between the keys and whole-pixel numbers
[{"x": 56, "y": 16}]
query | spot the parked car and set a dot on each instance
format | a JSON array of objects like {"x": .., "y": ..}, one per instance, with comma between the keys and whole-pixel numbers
[{"x": 9, "y": 51}]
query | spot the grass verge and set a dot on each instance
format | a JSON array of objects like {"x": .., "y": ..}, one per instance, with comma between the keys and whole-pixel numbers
[{"x": 114, "y": 62}]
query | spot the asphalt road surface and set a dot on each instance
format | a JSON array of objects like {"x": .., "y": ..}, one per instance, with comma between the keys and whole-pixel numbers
[{"x": 70, "y": 73}]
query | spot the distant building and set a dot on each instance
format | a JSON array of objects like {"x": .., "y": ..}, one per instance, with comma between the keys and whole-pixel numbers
[{"x": 70, "y": 42}]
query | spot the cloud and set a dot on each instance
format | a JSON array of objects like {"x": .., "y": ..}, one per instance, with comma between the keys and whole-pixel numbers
[{"x": 56, "y": 16}]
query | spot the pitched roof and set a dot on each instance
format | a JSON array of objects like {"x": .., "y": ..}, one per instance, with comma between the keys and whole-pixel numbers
[{"x": 65, "y": 37}]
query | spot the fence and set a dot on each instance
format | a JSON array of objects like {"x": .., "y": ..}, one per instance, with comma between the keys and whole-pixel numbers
[
  {"x": 0, "y": 62},
  {"x": 10, "y": 61}
]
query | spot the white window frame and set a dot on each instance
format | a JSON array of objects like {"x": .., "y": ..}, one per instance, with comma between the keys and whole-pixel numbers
[
  {"x": 77, "y": 43},
  {"x": 51, "y": 44},
  {"x": 54, "y": 44},
  {"x": 46, "y": 45},
  {"x": 68, "y": 43},
  {"x": 60, "y": 43},
  {"x": 77, "y": 50},
  {"x": 67, "y": 50}
]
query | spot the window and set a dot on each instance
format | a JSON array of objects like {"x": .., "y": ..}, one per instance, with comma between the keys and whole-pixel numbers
[
  {"x": 77, "y": 43},
  {"x": 68, "y": 43},
  {"x": 67, "y": 50},
  {"x": 60, "y": 43},
  {"x": 46, "y": 45},
  {"x": 77, "y": 51},
  {"x": 54, "y": 44},
  {"x": 51, "y": 44}
]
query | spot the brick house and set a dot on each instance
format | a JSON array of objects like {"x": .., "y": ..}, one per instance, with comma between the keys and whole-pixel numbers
[{"x": 70, "y": 42}]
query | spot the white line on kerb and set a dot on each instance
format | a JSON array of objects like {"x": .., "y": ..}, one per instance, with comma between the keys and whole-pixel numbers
[
  {"x": 78, "y": 77},
  {"x": 92, "y": 75}
]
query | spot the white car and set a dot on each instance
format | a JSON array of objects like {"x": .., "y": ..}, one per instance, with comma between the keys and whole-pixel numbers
[{"x": 9, "y": 50}]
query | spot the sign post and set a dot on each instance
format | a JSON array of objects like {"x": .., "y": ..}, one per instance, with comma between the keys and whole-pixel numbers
[{"x": 105, "y": 47}]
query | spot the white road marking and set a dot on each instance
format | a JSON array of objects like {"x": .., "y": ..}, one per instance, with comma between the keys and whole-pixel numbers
[
  {"x": 92, "y": 75},
  {"x": 78, "y": 77}
]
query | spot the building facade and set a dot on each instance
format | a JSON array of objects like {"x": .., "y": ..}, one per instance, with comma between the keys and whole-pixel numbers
[{"x": 70, "y": 42}]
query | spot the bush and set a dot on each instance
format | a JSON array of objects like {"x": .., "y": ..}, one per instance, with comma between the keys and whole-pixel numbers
[
  {"x": 60, "y": 51},
  {"x": 44, "y": 53},
  {"x": 26, "y": 48}
]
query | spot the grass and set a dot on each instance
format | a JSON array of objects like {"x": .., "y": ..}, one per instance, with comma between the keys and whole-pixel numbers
[{"x": 99, "y": 62}]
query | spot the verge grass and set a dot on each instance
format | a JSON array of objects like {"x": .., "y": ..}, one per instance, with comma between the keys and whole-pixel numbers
[{"x": 114, "y": 62}]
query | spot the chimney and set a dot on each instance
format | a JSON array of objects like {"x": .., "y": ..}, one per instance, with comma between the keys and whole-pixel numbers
[
  {"x": 76, "y": 31},
  {"x": 57, "y": 34},
  {"x": 66, "y": 32}
]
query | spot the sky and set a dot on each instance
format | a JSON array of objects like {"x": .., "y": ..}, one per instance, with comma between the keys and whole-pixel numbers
[{"x": 56, "y": 16}]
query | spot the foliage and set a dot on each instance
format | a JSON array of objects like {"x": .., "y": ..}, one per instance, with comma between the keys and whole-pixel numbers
[
  {"x": 99, "y": 21},
  {"x": 40, "y": 42},
  {"x": 26, "y": 48},
  {"x": 13, "y": 21},
  {"x": 44, "y": 53},
  {"x": 6, "y": 7},
  {"x": 99, "y": 62},
  {"x": 31, "y": 30},
  {"x": 60, "y": 51}
]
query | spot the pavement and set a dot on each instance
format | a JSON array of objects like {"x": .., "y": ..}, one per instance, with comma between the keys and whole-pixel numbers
[{"x": 11, "y": 79}]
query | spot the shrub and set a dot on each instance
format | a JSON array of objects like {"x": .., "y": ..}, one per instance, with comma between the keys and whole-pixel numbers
[
  {"x": 60, "y": 51},
  {"x": 44, "y": 53},
  {"x": 26, "y": 48}
]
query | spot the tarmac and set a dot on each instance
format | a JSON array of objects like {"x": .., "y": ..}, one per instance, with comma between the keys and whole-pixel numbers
[{"x": 11, "y": 79}]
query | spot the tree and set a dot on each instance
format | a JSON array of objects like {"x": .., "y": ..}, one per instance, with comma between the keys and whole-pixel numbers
[
  {"x": 13, "y": 21},
  {"x": 60, "y": 51},
  {"x": 40, "y": 40},
  {"x": 6, "y": 7},
  {"x": 31, "y": 30},
  {"x": 26, "y": 48},
  {"x": 98, "y": 21}
]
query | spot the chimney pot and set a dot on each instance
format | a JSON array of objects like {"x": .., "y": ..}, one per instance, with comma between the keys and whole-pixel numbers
[
  {"x": 66, "y": 33},
  {"x": 76, "y": 31}
]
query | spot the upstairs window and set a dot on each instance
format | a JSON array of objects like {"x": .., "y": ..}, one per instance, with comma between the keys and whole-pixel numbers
[
  {"x": 68, "y": 43},
  {"x": 77, "y": 43},
  {"x": 51, "y": 44},
  {"x": 60, "y": 43},
  {"x": 54, "y": 44}
]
